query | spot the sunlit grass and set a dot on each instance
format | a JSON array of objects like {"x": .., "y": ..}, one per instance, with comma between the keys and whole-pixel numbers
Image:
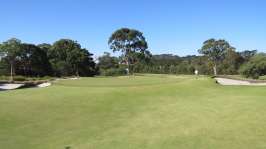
[{"x": 143, "y": 112}]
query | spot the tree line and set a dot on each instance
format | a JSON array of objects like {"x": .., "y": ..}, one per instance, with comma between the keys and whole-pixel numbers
[
  {"x": 173, "y": 64},
  {"x": 66, "y": 57},
  {"x": 216, "y": 57}
]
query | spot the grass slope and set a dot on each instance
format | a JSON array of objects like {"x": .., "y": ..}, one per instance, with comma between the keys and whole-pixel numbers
[{"x": 141, "y": 112}]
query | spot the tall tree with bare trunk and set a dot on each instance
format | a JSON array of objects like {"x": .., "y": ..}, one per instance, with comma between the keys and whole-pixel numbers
[
  {"x": 128, "y": 42},
  {"x": 215, "y": 50},
  {"x": 10, "y": 50}
]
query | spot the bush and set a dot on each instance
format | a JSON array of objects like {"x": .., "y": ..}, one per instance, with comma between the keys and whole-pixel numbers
[
  {"x": 39, "y": 78},
  {"x": 19, "y": 78},
  {"x": 46, "y": 78},
  {"x": 255, "y": 68},
  {"x": 263, "y": 77},
  {"x": 23, "y": 78},
  {"x": 4, "y": 78},
  {"x": 114, "y": 72}
]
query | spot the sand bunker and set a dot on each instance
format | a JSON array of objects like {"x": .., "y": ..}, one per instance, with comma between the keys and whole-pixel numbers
[
  {"x": 224, "y": 81},
  {"x": 10, "y": 86},
  {"x": 44, "y": 85}
]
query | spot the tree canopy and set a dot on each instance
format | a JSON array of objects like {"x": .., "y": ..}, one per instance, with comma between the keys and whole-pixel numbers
[
  {"x": 64, "y": 58},
  {"x": 10, "y": 51},
  {"x": 68, "y": 58},
  {"x": 256, "y": 67},
  {"x": 33, "y": 61},
  {"x": 215, "y": 50},
  {"x": 128, "y": 42}
]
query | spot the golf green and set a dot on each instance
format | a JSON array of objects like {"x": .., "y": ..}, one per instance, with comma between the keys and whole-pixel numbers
[{"x": 135, "y": 112}]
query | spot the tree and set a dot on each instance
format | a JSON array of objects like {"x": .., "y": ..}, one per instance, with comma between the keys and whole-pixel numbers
[
  {"x": 256, "y": 67},
  {"x": 128, "y": 41},
  {"x": 215, "y": 51},
  {"x": 3, "y": 64},
  {"x": 84, "y": 64},
  {"x": 141, "y": 57},
  {"x": 34, "y": 61},
  {"x": 10, "y": 50},
  {"x": 231, "y": 62},
  {"x": 107, "y": 61},
  {"x": 1, "y": 53},
  {"x": 68, "y": 58},
  {"x": 247, "y": 54},
  {"x": 45, "y": 47}
]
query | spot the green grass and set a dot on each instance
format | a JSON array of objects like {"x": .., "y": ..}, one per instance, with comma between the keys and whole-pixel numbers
[{"x": 140, "y": 112}]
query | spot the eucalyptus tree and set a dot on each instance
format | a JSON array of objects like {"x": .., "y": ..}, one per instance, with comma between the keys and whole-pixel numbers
[
  {"x": 128, "y": 42},
  {"x": 10, "y": 50},
  {"x": 215, "y": 50}
]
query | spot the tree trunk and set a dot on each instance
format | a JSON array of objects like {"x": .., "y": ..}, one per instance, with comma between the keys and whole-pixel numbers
[
  {"x": 128, "y": 66},
  {"x": 77, "y": 73},
  {"x": 127, "y": 60},
  {"x": 11, "y": 72},
  {"x": 77, "y": 70},
  {"x": 24, "y": 70},
  {"x": 215, "y": 69}
]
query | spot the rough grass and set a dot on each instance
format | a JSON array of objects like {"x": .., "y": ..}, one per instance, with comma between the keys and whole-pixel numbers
[{"x": 140, "y": 112}]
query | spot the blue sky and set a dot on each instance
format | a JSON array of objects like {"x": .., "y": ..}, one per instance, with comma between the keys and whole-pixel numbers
[{"x": 170, "y": 26}]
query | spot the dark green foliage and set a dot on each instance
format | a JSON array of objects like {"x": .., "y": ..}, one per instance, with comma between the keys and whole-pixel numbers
[
  {"x": 255, "y": 68},
  {"x": 172, "y": 64},
  {"x": 24, "y": 59},
  {"x": 114, "y": 72},
  {"x": 4, "y": 67},
  {"x": 109, "y": 66},
  {"x": 107, "y": 61},
  {"x": 33, "y": 61},
  {"x": 68, "y": 58},
  {"x": 64, "y": 58},
  {"x": 230, "y": 63},
  {"x": 20, "y": 78}
]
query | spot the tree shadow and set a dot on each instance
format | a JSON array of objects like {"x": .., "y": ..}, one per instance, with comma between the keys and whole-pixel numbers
[{"x": 2, "y": 89}]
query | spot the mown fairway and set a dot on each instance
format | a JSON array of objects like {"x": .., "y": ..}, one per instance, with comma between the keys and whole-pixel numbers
[{"x": 141, "y": 112}]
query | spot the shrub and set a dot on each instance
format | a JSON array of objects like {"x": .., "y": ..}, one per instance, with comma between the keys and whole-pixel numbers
[
  {"x": 114, "y": 72},
  {"x": 4, "y": 78},
  {"x": 19, "y": 78},
  {"x": 263, "y": 77},
  {"x": 255, "y": 68},
  {"x": 46, "y": 78},
  {"x": 40, "y": 78}
]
